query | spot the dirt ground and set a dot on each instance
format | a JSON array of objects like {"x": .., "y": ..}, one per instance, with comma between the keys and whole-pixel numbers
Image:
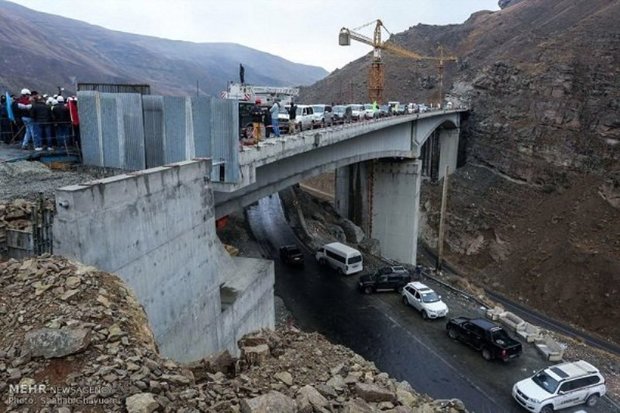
[{"x": 555, "y": 248}]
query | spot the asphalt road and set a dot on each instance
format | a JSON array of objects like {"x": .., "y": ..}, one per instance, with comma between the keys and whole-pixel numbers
[{"x": 383, "y": 330}]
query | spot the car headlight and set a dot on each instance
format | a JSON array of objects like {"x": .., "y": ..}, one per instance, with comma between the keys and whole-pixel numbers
[{"x": 536, "y": 401}]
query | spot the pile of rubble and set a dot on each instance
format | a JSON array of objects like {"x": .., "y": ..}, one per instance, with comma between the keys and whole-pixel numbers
[{"x": 76, "y": 338}]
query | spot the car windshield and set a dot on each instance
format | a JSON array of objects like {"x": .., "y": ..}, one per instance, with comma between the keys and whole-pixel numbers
[
  {"x": 339, "y": 109},
  {"x": 283, "y": 110},
  {"x": 430, "y": 297},
  {"x": 545, "y": 381},
  {"x": 318, "y": 109},
  {"x": 355, "y": 259},
  {"x": 357, "y": 107},
  {"x": 293, "y": 250},
  {"x": 398, "y": 268},
  {"x": 368, "y": 106}
]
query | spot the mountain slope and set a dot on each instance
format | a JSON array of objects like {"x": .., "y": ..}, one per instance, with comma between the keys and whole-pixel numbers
[
  {"x": 42, "y": 51},
  {"x": 536, "y": 212}
]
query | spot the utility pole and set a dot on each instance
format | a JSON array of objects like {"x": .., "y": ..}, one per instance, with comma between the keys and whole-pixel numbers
[{"x": 444, "y": 199}]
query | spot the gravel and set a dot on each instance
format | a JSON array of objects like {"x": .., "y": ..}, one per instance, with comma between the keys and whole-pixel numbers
[{"x": 26, "y": 179}]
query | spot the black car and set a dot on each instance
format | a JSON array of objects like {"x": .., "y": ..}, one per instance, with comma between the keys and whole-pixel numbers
[
  {"x": 490, "y": 339},
  {"x": 384, "y": 279},
  {"x": 291, "y": 255}
]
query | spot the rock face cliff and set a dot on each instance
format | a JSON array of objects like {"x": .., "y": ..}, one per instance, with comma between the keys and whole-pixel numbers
[{"x": 535, "y": 213}]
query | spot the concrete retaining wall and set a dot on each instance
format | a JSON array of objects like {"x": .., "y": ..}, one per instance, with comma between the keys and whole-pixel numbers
[{"x": 156, "y": 230}]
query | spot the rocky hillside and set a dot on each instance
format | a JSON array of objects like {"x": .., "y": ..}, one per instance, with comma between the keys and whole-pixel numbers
[
  {"x": 42, "y": 51},
  {"x": 74, "y": 336},
  {"x": 536, "y": 212},
  {"x": 541, "y": 77}
]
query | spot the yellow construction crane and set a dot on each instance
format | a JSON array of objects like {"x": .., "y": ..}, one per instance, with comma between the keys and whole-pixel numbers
[{"x": 376, "y": 75}]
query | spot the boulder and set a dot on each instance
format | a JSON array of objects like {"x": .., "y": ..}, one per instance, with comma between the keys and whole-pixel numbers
[
  {"x": 255, "y": 355},
  {"x": 354, "y": 234},
  {"x": 371, "y": 246},
  {"x": 52, "y": 343},
  {"x": 337, "y": 232},
  {"x": 357, "y": 405},
  {"x": 373, "y": 393},
  {"x": 285, "y": 377},
  {"x": 309, "y": 399},
  {"x": 273, "y": 401},
  {"x": 141, "y": 403}
]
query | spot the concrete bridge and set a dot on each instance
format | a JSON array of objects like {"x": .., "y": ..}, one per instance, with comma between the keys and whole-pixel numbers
[
  {"x": 155, "y": 227},
  {"x": 379, "y": 167}
]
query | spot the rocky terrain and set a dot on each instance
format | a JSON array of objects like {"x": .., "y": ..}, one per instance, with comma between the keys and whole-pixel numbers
[
  {"x": 535, "y": 212},
  {"x": 76, "y": 338}
]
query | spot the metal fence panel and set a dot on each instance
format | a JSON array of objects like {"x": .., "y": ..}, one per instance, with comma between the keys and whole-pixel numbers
[
  {"x": 153, "y": 110},
  {"x": 131, "y": 131},
  {"x": 174, "y": 129},
  {"x": 201, "y": 116},
  {"x": 110, "y": 130},
  {"x": 90, "y": 130},
  {"x": 224, "y": 139}
]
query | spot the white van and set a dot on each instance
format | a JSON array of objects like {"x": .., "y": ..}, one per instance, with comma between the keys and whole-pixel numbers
[{"x": 342, "y": 258}]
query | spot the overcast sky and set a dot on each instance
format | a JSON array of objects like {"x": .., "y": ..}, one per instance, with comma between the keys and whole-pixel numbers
[{"x": 303, "y": 31}]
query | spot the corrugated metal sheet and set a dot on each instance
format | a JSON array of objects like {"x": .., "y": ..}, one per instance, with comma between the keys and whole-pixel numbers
[
  {"x": 224, "y": 139},
  {"x": 174, "y": 129},
  {"x": 131, "y": 131},
  {"x": 109, "y": 130},
  {"x": 201, "y": 116},
  {"x": 153, "y": 111},
  {"x": 90, "y": 130}
]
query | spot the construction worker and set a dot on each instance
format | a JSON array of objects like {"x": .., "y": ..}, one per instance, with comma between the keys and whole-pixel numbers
[{"x": 257, "y": 120}]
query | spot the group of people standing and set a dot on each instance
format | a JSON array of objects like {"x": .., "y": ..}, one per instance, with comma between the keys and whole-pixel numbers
[
  {"x": 270, "y": 119},
  {"x": 46, "y": 120}
]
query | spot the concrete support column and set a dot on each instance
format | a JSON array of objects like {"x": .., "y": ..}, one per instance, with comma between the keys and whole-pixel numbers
[
  {"x": 342, "y": 190},
  {"x": 448, "y": 151},
  {"x": 353, "y": 193},
  {"x": 395, "y": 203}
]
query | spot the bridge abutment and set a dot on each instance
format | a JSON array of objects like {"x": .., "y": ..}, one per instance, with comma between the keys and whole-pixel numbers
[{"x": 156, "y": 230}]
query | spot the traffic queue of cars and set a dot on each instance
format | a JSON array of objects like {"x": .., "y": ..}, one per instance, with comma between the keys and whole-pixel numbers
[
  {"x": 322, "y": 115},
  {"x": 553, "y": 388}
]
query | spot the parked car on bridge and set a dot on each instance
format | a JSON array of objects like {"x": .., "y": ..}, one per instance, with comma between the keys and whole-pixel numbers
[
  {"x": 369, "y": 111},
  {"x": 425, "y": 300},
  {"x": 357, "y": 112},
  {"x": 304, "y": 117},
  {"x": 560, "y": 386},
  {"x": 491, "y": 340},
  {"x": 323, "y": 115},
  {"x": 291, "y": 255},
  {"x": 384, "y": 111},
  {"x": 384, "y": 279},
  {"x": 342, "y": 114}
]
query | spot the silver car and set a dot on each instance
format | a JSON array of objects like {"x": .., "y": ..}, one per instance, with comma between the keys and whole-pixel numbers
[{"x": 323, "y": 115}]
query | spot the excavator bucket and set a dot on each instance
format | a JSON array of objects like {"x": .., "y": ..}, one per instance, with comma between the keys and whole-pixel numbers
[{"x": 344, "y": 39}]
